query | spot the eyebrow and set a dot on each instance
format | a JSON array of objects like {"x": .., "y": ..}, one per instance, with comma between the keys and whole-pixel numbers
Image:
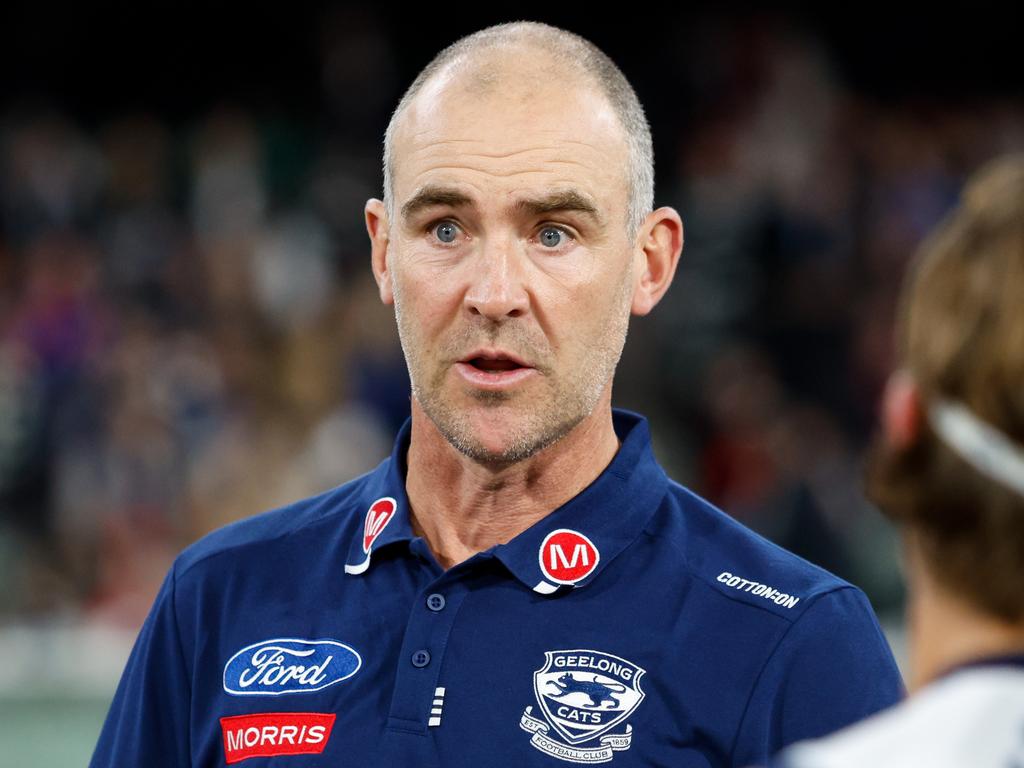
[{"x": 559, "y": 200}]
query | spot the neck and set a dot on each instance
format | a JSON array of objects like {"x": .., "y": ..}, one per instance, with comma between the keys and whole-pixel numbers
[
  {"x": 462, "y": 507},
  {"x": 946, "y": 631}
]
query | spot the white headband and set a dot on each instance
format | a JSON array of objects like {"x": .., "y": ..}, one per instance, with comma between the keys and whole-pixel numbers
[{"x": 979, "y": 444}]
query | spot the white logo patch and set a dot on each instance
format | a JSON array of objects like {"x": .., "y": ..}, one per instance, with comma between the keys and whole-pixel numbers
[
  {"x": 582, "y": 695},
  {"x": 758, "y": 589}
]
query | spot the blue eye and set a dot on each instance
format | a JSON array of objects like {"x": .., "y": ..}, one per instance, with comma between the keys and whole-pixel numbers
[
  {"x": 551, "y": 236},
  {"x": 445, "y": 231}
]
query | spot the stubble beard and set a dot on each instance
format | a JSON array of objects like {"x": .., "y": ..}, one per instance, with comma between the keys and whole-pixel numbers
[{"x": 572, "y": 397}]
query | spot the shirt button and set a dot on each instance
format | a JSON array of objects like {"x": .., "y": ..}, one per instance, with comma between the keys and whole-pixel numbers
[
  {"x": 420, "y": 659},
  {"x": 435, "y": 602}
]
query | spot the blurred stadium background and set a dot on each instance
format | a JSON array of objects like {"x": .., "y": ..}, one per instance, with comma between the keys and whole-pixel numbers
[{"x": 189, "y": 331}]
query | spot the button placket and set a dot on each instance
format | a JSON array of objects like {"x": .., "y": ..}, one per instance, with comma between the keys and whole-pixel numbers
[{"x": 430, "y": 622}]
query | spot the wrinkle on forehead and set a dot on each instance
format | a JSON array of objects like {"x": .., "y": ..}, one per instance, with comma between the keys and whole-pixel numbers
[
  {"x": 426, "y": 133},
  {"x": 418, "y": 180},
  {"x": 549, "y": 169},
  {"x": 438, "y": 151}
]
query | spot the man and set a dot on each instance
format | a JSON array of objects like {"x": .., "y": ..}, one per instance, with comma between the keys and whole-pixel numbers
[
  {"x": 519, "y": 583},
  {"x": 949, "y": 469}
]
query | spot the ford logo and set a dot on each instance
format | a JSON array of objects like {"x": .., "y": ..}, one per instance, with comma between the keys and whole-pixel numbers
[{"x": 287, "y": 665}]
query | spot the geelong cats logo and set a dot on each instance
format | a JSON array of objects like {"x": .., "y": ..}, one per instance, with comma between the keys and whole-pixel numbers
[{"x": 583, "y": 696}]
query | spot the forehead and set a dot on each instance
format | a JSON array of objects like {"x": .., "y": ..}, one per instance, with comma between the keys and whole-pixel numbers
[{"x": 519, "y": 132}]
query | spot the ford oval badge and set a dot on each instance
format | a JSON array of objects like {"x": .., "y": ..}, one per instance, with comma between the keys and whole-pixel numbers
[{"x": 289, "y": 665}]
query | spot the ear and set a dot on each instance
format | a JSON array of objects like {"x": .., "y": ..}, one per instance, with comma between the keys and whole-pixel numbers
[
  {"x": 658, "y": 245},
  {"x": 377, "y": 227},
  {"x": 901, "y": 411}
]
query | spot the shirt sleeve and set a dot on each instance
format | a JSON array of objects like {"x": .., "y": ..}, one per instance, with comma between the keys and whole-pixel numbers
[
  {"x": 832, "y": 668},
  {"x": 148, "y": 721}
]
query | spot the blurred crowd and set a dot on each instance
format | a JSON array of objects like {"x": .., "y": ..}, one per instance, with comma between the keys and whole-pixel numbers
[{"x": 189, "y": 331}]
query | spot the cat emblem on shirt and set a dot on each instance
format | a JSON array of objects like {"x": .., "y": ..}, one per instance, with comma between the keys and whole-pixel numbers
[{"x": 583, "y": 698}]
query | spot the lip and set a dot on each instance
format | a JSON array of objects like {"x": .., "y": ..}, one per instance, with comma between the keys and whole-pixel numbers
[
  {"x": 493, "y": 380},
  {"x": 495, "y": 354}
]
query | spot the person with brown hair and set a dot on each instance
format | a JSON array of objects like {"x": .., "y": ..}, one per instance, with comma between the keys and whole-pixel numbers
[{"x": 948, "y": 469}]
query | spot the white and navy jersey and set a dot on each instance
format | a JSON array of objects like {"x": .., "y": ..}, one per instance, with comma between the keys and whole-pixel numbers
[
  {"x": 634, "y": 625},
  {"x": 972, "y": 717}
]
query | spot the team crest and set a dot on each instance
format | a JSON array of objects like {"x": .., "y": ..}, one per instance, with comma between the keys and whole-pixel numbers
[{"x": 583, "y": 700}]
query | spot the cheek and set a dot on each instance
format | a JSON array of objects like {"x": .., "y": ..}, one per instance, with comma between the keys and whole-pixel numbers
[
  {"x": 590, "y": 273},
  {"x": 426, "y": 301},
  {"x": 582, "y": 309}
]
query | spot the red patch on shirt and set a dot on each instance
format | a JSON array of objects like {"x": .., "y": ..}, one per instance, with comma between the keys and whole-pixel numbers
[
  {"x": 567, "y": 557},
  {"x": 275, "y": 733},
  {"x": 377, "y": 517}
]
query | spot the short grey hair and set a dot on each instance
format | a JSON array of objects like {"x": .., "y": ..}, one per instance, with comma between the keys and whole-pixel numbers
[{"x": 576, "y": 54}]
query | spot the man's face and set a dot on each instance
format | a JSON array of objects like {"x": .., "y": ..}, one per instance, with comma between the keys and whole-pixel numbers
[{"x": 509, "y": 261}]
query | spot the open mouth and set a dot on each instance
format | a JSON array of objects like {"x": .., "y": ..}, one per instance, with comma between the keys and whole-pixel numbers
[
  {"x": 494, "y": 370},
  {"x": 493, "y": 366}
]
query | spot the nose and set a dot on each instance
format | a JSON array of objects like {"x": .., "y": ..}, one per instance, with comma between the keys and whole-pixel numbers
[{"x": 496, "y": 288}]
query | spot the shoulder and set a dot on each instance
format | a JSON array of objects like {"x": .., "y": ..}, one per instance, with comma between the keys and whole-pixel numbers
[
  {"x": 338, "y": 509},
  {"x": 818, "y": 659},
  {"x": 736, "y": 563}
]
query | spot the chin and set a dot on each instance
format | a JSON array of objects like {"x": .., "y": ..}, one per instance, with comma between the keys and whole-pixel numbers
[
  {"x": 498, "y": 454},
  {"x": 502, "y": 436},
  {"x": 488, "y": 433},
  {"x": 500, "y": 433}
]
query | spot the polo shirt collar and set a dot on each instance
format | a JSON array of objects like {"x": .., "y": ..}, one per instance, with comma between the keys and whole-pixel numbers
[
  {"x": 386, "y": 520},
  {"x": 567, "y": 548}
]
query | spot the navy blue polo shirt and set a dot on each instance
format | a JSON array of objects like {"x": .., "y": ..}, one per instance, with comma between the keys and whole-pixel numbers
[{"x": 636, "y": 625}]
